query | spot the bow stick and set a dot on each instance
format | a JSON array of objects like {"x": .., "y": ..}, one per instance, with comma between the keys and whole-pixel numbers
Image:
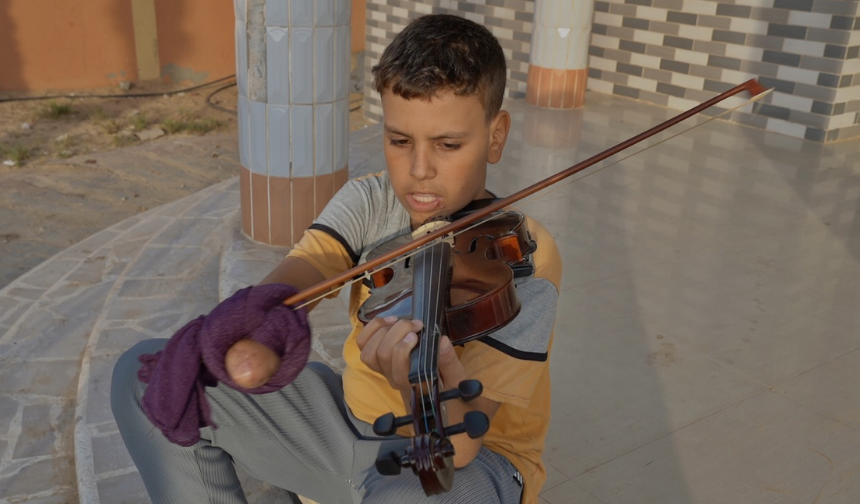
[{"x": 752, "y": 86}]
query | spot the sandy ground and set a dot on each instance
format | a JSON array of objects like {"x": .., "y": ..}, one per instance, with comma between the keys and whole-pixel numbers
[
  {"x": 54, "y": 191},
  {"x": 61, "y": 181}
]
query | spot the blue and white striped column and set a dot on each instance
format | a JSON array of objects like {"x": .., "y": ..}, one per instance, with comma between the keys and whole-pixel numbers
[{"x": 292, "y": 61}]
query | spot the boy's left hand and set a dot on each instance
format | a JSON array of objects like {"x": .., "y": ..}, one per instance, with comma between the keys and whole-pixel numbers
[{"x": 386, "y": 343}]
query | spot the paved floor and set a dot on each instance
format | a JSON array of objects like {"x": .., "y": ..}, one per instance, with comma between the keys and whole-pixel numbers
[{"x": 706, "y": 340}]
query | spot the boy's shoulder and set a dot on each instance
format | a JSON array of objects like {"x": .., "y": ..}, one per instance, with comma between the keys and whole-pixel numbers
[
  {"x": 364, "y": 213},
  {"x": 546, "y": 257}
]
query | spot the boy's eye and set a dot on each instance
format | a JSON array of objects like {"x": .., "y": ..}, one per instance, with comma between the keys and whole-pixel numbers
[
  {"x": 451, "y": 146},
  {"x": 398, "y": 141}
]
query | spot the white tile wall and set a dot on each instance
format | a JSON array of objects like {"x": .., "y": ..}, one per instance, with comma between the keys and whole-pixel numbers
[
  {"x": 240, "y": 8},
  {"x": 302, "y": 137},
  {"x": 800, "y": 75},
  {"x": 341, "y": 134},
  {"x": 241, "y": 59},
  {"x": 302, "y": 13},
  {"x": 257, "y": 130},
  {"x": 343, "y": 11},
  {"x": 342, "y": 61},
  {"x": 790, "y": 101},
  {"x": 279, "y": 140},
  {"x": 244, "y": 131},
  {"x": 814, "y": 19},
  {"x": 325, "y": 12},
  {"x": 302, "y": 57},
  {"x": 785, "y": 127},
  {"x": 278, "y": 65},
  {"x": 324, "y": 138},
  {"x": 700, "y": 7},
  {"x": 803, "y": 47},
  {"x": 323, "y": 64},
  {"x": 277, "y": 13}
]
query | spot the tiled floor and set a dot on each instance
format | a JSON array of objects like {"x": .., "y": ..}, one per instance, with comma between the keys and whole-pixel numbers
[
  {"x": 710, "y": 312},
  {"x": 706, "y": 337}
]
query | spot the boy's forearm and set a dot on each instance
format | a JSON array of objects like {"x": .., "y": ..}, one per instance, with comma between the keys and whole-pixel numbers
[
  {"x": 296, "y": 272},
  {"x": 466, "y": 448}
]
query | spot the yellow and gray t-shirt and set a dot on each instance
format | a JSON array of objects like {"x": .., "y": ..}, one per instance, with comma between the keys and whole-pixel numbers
[{"x": 512, "y": 363}]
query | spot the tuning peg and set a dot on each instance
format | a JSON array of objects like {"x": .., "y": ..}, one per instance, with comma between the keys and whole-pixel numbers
[
  {"x": 387, "y": 424},
  {"x": 466, "y": 390},
  {"x": 388, "y": 465},
  {"x": 475, "y": 424}
]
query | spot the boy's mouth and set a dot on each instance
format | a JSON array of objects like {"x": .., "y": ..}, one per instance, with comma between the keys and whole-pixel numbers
[{"x": 424, "y": 202}]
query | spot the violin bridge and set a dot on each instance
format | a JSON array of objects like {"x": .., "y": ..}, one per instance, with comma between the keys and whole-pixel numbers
[{"x": 428, "y": 227}]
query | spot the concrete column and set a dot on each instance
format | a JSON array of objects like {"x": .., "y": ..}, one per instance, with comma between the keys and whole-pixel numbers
[
  {"x": 292, "y": 72},
  {"x": 558, "y": 63}
]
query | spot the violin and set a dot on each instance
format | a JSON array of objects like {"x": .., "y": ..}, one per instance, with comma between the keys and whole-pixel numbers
[
  {"x": 463, "y": 288},
  {"x": 462, "y": 306}
]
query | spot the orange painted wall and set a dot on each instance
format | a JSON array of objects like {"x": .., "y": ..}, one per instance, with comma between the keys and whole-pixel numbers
[
  {"x": 357, "y": 24},
  {"x": 195, "y": 39},
  {"x": 85, "y": 44},
  {"x": 69, "y": 44}
]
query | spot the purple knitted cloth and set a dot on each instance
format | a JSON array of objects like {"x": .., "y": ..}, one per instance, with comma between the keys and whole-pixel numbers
[{"x": 174, "y": 400}]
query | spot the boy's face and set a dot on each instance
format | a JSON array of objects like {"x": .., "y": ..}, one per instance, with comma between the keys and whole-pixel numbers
[{"x": 437, "y": 151}]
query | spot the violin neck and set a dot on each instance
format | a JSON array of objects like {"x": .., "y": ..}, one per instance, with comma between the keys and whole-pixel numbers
[{"x": 431, "y": 278}]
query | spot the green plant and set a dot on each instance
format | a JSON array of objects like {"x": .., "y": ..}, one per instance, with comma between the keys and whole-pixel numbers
[
  {"x": 139, "y": 122},
  {"x": 124, "y": 140},
  {"x": 195, "y": 126},
  {"x": 111, "y": 126},
  {"x": 63, "y": 142},
  {"x": 98, "y": 114},
  {"x": 54, "y": 110},
  {"x": 16, "y": 152}
]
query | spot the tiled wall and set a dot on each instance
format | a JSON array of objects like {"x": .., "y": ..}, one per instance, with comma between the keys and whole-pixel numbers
[
  {"x": 682, "y": 52},
  {"x": 509, "y": 20},
  {"x": 679, "y": 53}
]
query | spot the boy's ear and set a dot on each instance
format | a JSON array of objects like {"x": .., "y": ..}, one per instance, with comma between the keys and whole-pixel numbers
[{"x": 499, "y": 128}]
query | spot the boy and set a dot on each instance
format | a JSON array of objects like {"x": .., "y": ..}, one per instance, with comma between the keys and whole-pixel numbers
[{"x": 442, "y": 82}]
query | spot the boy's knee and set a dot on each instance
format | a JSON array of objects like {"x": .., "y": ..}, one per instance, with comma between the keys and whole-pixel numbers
[{"x": 124, "y": 379}]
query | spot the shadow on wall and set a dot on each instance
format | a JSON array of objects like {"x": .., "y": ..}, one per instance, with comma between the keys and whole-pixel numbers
[
  {"x": 191, "y": 39},
  {"x": 10, "y": 60},
  {"x": 174, "y": 43}
]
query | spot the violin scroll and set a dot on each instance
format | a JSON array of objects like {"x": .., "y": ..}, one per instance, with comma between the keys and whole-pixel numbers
[
  {"x": 431, "y": 454},
  {"x": 387, "y": 424}
]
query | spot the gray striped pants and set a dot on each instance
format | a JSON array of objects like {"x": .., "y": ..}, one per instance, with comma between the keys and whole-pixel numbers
[{"x": 301, "y": 438}]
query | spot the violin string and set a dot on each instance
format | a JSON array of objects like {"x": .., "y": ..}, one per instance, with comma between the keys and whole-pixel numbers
[
  {"x": 533, "y": 199},
  {"x": 429, "y": 335},
  {"x": 441, "y": 265},
  {"x": 421, "y": 262}
]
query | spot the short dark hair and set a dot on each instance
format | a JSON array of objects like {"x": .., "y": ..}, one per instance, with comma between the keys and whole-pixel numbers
[{"x": 439, "y": 52}]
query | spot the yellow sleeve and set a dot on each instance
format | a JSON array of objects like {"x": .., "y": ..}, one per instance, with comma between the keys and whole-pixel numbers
[{"x": 322, "y": 251}]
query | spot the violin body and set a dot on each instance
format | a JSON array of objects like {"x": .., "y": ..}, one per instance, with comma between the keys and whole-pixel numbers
[
  {"x": 463, "y": 289},
  {"x": 482, "y": 294}
]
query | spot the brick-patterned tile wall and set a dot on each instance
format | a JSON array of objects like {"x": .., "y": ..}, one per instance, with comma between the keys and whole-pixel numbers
[
  {"x": 509, "y": 20},
  {"x": 681, "y": 52}
]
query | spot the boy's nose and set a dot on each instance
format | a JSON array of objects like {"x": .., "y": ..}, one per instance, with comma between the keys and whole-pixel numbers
[{"x": 422, "y": 165}]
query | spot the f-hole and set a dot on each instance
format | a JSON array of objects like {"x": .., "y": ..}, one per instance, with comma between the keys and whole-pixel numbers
[
  {"x": 473, "y": 245},
  {"x": 408, "y": 263}
]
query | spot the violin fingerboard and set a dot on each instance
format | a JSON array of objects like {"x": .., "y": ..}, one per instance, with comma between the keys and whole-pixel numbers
[{"x": 431, "y": 279}]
